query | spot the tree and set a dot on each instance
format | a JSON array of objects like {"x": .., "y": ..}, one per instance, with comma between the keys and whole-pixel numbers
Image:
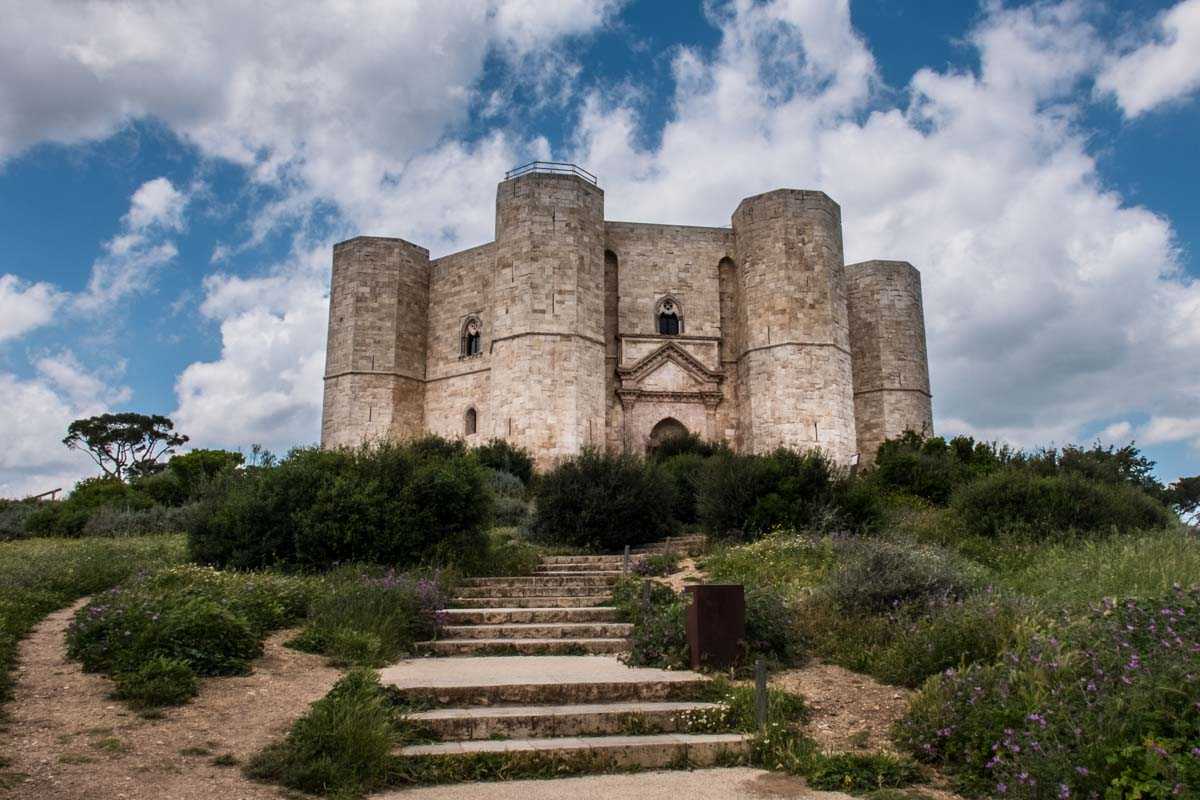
[
  {"x": 125, "y": 444},
  {"x": 1184, "y": 497}
]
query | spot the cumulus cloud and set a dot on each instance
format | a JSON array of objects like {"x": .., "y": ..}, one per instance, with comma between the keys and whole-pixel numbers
[
  {"x": 1052, "y": 305},
  {"x": 34, "y": 459},
  {"x": 1162, "y": 69},
  {"x": 25, "y": 306},
  {"x": 133, "y": 258}
]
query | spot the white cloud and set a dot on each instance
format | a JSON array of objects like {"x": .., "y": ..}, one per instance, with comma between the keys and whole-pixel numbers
[
  {"x": 25, "y": 306},
  {"x": 1051, "y": 303},
  {"x": 133, "y": 258},
  {"x": 1164, "y": 69},
  {"x": 1161, "y": 430},
  {"x": 34, "y": 459}
]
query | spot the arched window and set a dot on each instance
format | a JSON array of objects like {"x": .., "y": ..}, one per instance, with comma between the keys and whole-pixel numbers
[
  {"x": 669, "y": 316},
  {"x": 470, "y": 421},
  {"x": 472, "y": 336}
]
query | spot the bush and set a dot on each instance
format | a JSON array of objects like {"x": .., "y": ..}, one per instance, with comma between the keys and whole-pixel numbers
[
  {"x": 659, "y": 637},
  {"x": 505, "y": 484},
  {"x": 510, "y": 553},
  {"x": 745, "y": 496},
  {"x": 158, "y": 682},
  {"x": 786, "y": 562},
  {"x": 771, "y": 629},
  {"x": 1104, "y": 706},
  {"x": 370, "y": 617},
  {"x": 213, "y": 621},
  {"x": 41, "y": 575},
  {"x": 879, "y": 577},
  {"x": 603, "y": 502},
  {"x": 422, "y": 502},
  {"x": 932, "y": 468},
  {"x": 685, "y": 444},
  {"x": 1019, "y": 502},
  {"x": 656, "y": 565},
  {"x": 108, "y": 521},
  {"x": 978, "y": 629},
  {"x": 684, "y": 471},
  {"x": 498, "y": 454},
  {"x": 340, "y": 747},
  {"x": 14, "y": 515},
  {"x": 68, "y": 517}
]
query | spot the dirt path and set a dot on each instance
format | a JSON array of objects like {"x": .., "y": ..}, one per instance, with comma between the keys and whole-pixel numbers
[
  {"x": 73, "y": 743},
  {"x": 850, "y": 712}
]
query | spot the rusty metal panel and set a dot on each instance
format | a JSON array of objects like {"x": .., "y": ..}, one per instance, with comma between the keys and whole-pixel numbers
[{"x": 716, "y": 625}]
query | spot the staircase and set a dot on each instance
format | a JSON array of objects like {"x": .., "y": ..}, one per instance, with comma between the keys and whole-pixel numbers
[
  {"x": 557, "y": 695},
  {"x": 559, "y": 610}
]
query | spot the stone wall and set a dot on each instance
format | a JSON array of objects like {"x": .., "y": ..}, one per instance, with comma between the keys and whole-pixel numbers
[
  {"x": 794, "y": 368},
  {"x": 460, "y": 286},
  {"x": 548, "y": 350},
  {"x": 891, "y": 366},
  {"x": 780, "y": 345},
  {"x": 375, "y": 352}
]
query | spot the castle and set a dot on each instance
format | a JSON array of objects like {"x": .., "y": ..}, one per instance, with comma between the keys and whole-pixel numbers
[{"x": 570, "y": 331}]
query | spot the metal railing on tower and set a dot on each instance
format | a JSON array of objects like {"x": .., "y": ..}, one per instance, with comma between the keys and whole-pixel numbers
[{"x": 553, "y": 167}]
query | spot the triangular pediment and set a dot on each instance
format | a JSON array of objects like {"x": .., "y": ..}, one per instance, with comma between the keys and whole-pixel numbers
[{"x": 670, "y": 368}]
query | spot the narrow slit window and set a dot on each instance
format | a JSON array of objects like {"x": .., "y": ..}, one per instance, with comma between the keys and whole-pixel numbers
[{"x": 470, "y": 422}]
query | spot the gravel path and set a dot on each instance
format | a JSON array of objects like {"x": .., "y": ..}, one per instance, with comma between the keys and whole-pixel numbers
[{"x": 73, "y": 743}]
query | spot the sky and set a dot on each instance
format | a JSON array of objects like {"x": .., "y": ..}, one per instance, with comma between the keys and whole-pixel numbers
[{"x": 173, "y": 176}]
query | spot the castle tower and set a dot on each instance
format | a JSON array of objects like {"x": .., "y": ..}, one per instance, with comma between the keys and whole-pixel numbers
[
  {"x": 794, "y": 366},
  {"x": 547, "y": 377},
  {"x": 375, "y": 353},
  {"x": 891, "y": 366}
]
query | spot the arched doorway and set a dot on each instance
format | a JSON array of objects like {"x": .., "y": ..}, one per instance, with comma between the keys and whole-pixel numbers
[{"x": 668, "y": 428}]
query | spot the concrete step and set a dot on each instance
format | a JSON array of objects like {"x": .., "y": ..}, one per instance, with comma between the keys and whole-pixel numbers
[
  {"x": 532, "y": 601},
  {"x": 535, "y": 722},
  {"x": 540, "y": 630},
  {"x": 581, "y": 559},
  {"x": 524, "y": 647},
  {"x": 517, "y": 616},
  {"x": 525, "y": 680},
  {"x": 572, "y": 571},
  {"x": 532, "y": 591},
  {"x": 590, "y": 579},
  {"x": 614, "y": 752}
]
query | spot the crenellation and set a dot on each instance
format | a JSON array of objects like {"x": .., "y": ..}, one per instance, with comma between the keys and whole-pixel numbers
[{"x": 569, "y": 331}]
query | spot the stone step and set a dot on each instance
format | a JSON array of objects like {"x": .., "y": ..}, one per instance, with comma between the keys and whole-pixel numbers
[
  {"x": 525, "y": 680},
  {"x": 532, "y": 591},
  {"x": 613, "y": 752},
  {"x": 524, "y": 647},
  {"x": 516, "y": 616},
  {"x": 535, "y": 722},
  {"x": 544, "y": 580},
  {"x": 540, "y": 630},
  {"x": 581, "y": 559},
  {"x": 532, "y": 601},
  {"x": 574, "y": 572}
]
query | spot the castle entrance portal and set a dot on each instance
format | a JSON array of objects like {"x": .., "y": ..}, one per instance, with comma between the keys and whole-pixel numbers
[{"x": 668, "y": 428}]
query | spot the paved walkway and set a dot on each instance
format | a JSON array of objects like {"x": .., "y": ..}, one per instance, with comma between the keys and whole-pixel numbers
[{"x": 739, "y": 783}]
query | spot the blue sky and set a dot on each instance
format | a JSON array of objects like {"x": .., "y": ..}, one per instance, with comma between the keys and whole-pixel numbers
[{"x": 171, "y": 181}]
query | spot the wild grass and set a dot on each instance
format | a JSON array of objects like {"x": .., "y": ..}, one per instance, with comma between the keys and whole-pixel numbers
[
  {"x": 38, "y": 576},
  {"x": 1070, "y": 576}
]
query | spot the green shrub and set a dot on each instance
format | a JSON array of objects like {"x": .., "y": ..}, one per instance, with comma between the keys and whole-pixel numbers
[
  {"x": 14, "y": 516},
  {"x": 369, "y": 616},
  {"x": 505, "y": 484},
  {"x": 684, "y": 471},
  {"x": 1102, "y": 705},
  {"x": 659, "y": 637},
  {"x": 931, "y": 468},
  {"x": 509, "y": 512},
  {"x": 422, "y": 502},
  {"x": 784, "y": 561},
  {"x": 499, "y": 454},
  {"x": 109, "y": 521},
  {"x": 213, "y": 621},
  {"x": 685, "y": 444},
  {"x": 161, "y": 681},
  {"x": 340, "y": 747},
  {"x": 603, "y": 502},
  {"x": 1016, "y": 501},
  {"x": 745, "y": 496},
  {"x": 657, "y": 565},
  {"x": 878, "y": 577},
  {"x": 68, "y": 517},
  {"x": 195, "y": 471},
  {"x": 978, "y": 629},
  {"x": 38, "y": 576},
  {"x": 855, "y": 772},
  {"x": 509, "y": 552},
  {"x": 771, "y": 629}
]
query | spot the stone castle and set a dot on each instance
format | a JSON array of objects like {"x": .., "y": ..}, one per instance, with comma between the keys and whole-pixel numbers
[{"x": 570, "y": 331}]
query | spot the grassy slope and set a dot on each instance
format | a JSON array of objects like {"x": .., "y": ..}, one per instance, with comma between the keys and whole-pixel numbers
[{"x": 38, "y": 576}]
